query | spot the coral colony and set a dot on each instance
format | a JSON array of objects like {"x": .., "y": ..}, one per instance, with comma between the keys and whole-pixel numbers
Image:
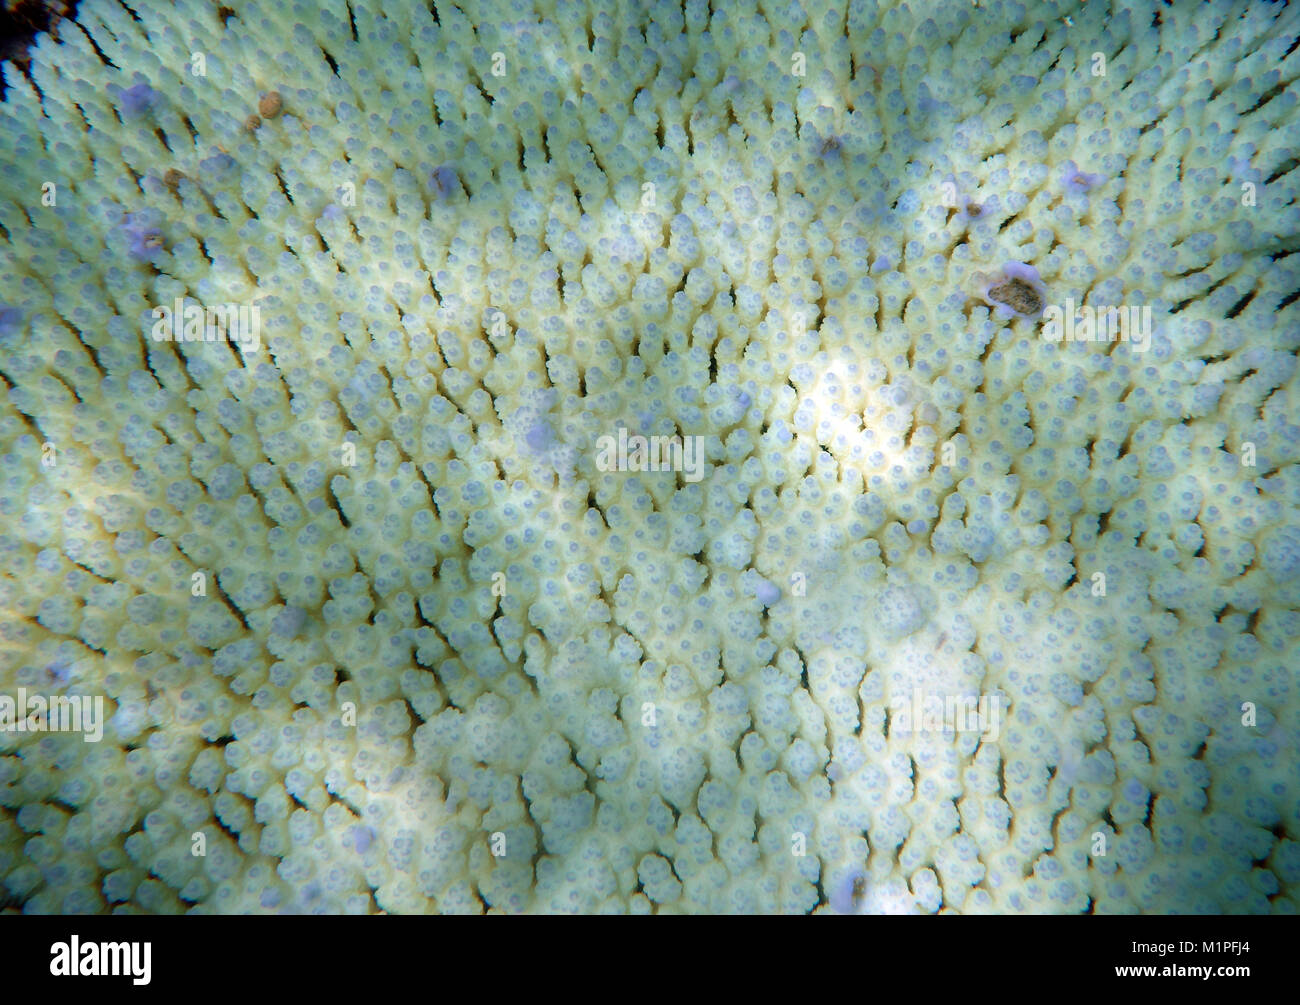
[{"x": 834, "y": 458}]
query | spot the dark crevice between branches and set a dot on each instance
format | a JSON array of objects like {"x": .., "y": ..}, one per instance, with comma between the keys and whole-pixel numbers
[{"x": 21, "y": 22}]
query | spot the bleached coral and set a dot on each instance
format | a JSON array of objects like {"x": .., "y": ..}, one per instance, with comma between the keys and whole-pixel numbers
[{"x": 374, "y": 625}]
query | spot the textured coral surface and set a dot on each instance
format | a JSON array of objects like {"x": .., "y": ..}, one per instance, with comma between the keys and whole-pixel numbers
[{"x": 374, "y": 626}]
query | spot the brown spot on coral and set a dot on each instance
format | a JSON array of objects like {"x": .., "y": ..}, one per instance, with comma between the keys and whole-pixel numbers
[
  {"x": 173, "y": 178},
  {"x": 252, "y": 122},
  {"x": 270, "y": 105},
  {"x": 1018, "y": 295}
]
